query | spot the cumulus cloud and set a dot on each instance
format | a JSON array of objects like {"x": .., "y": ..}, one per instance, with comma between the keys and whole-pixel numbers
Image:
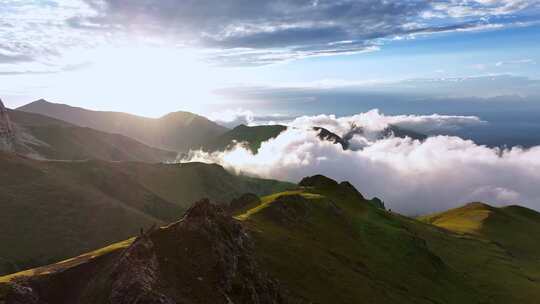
[
  {"x": 374, "y": 121},
  {"x": 232, "y": 118},
  {"x": 412, "y": 176}
]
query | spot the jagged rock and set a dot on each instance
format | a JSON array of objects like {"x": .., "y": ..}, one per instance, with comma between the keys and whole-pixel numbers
[
  {"x": 325, "y": 134},
  {"x": 348, "y": 189},
  {"x": 7, "y": 131},
  {"x": 21, "y": 294},
  {"x": 135, "y": 275},
  {"x": 318, "y": 181},
  {"x": 324, "y": 183},
  {"x": 377, "y": 202}
]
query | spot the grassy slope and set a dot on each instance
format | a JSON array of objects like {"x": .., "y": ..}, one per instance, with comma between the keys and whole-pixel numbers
[
  {"x": 53, "y": 210},
  {"x": 253, "y": 136},
  {"x": 513, "y": 235},
  {"x": 330, "y": 246},
  {"x": 357, "y": 252}
]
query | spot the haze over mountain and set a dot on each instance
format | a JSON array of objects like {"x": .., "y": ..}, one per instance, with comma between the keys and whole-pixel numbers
[
  {"x": 43, "y": 137},
  {"x": 178, "y": 131},
  {"x": 322, "y": 242}
]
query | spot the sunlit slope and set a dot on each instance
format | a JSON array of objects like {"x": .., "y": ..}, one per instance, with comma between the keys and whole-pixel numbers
[
  {"x": 328, "y": 246},
  {"x": 515, "y": 228},
  {"x": 178, "y": 131},
  {"x": 51, "y": 138},
  {"x": 514, "y": 232}
]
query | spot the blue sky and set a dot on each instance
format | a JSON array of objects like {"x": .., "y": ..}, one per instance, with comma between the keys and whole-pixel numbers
[{"x": 263, "y": 56}]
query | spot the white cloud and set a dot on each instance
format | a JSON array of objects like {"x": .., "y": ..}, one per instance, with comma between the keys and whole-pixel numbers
[
  {"x": 413, "y": 177},
  {"x": 373, "y": 121},
  {"x": 515, "y": 62},
  {"x": 232, "y": 118}
]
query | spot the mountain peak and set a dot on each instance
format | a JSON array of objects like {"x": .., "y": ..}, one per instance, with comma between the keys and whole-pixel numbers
[{"x": 318, "y": 181}]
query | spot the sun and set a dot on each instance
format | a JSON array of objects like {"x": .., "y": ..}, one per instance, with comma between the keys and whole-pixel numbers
[{"x": 151, "y": 80}]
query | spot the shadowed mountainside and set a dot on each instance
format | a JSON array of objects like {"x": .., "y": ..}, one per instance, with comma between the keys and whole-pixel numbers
[
  {"x": 52, "y": 210},
  {"x": 252, "y": 136}
]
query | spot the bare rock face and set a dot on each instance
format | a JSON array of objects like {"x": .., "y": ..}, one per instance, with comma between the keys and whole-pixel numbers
[
  {"x": 207, "y": 257},
  {"x": 7, "y": 132}
]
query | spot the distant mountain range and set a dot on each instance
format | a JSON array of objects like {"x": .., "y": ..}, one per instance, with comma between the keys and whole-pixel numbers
[
  {"x": 48, "y": 130},
  {"x": 178, "y": 131},
  {"x": 321, "y": 242}
]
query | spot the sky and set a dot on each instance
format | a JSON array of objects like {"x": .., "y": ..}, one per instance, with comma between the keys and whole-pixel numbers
[{"x": 151, "y": 57}]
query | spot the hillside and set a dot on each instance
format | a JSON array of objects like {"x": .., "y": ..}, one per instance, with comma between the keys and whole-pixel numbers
[
  {"x": 253, "y": 136},
  {"x": 514, "y": 228},
  {"x": 178, "y": 131},
  {"x": 322, "y": 242},
  {"x": 43, "y": 137},
  {"x": 52, "y": 210}
]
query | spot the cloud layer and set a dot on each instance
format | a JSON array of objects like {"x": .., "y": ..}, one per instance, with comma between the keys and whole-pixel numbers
[
  {"x": 413, "y": 177},
  {"x": 241, "y": 32}
]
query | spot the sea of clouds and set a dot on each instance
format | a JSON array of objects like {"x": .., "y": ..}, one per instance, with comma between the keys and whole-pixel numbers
[{"x": 412, "y": 176}]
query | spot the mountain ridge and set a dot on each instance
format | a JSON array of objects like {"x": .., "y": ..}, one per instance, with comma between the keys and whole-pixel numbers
[{"x": 177, "y": 131}]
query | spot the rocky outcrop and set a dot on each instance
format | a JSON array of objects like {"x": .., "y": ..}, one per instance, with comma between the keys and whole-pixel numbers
[
  {"x": 7, "y": 131},
  {"x": 325, "y": 134},
  {"x": 321, "y": 182},
  {"x": 207, "y": 257},
  {"x": 318, "y": 181}
]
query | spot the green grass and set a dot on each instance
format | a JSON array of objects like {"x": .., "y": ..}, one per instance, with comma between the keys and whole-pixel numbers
[
  {"x": 367, "y": 253},
  {"x": 468, "y": 219},
  {"x": 69, "y": 263},
  {"x": 328, "y": 245},
  {"x": 267, "y": 200}
]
